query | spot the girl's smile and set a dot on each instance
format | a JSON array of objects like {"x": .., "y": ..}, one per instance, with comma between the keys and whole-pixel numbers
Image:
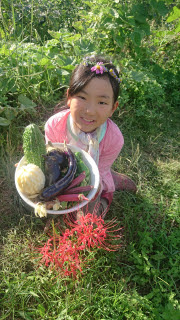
[
  {"x": 93, "y": 105},
  {"x": 86, "y": 121}
]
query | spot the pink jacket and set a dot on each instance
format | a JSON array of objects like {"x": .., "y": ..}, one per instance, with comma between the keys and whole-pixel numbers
[{"x": 109, "y": 147}]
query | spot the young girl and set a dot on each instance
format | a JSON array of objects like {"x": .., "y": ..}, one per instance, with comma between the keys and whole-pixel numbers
[{"x": 85, "y": 122}]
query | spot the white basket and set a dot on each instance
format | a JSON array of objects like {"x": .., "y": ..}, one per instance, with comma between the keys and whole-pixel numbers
[{"x": 94, "y": 180}]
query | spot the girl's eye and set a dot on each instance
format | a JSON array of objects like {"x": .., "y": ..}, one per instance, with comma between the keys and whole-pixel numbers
[
  {"x": 102, "y": 103},
  {"x": 81, "y": 97}
]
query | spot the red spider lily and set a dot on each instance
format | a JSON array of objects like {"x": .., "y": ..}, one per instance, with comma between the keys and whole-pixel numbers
[
  {"x": 92, "y": 231},
  {"x": 64, "y": 256},
  {"x": 65, "y": 251}
]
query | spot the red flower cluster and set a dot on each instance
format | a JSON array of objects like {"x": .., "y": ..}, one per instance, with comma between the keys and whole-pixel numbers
[
  {"x": 92, "y": 231},
  {"x": 64, "y": 256},
  {"x": 65, "y": 251}
]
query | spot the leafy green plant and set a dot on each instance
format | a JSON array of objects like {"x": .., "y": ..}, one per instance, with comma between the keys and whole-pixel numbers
[
  {"x": 41, "y": 72},
  {"x": 124, "y": 26},
  {"x": 30, "y": 76},
  {"x": 31, "y": 20}
]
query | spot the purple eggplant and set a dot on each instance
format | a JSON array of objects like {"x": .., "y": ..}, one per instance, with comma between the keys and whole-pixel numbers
[
  {"x": 55, "y": 161},
  {"x": 57, "y": 188},
  {"x": 52, "y": 170},
  {"x": 61, "y": 157}
]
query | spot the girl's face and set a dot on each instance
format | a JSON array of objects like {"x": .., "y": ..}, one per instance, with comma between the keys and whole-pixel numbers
[{"x": 93, "y": 105}]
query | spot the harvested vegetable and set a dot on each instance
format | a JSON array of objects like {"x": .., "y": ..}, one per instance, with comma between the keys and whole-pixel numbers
[
  {"x": 55, "y": 161},
  {"x": 60, "y": 156},
  {"x": 52, "y": 170},
  {"x": 55, "y": 205},
  {"x": 51, "y": 192},
  {"x": 78, "y": 189},
  {"x": 31, "y": 179},
  {"x": 34, "y": 145},
  {"x": 40, "y": 210},
  {"x": 77, "y": 180},
  {"x": 82, "y": 167},
  {"x": 72, "y": 197},
  {"x": 65, "y": 174}
]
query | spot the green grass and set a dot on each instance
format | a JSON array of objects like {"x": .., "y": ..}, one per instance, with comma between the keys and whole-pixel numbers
[{"x": 140, "y": 281}]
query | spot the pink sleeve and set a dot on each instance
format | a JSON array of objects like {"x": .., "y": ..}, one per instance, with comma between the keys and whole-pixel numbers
[
  {"x": 55, "y": 127},
  {"x": 110, "y": 148}
]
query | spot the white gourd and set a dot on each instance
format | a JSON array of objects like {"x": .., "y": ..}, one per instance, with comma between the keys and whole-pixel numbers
[{"x": 31, "y": 179}]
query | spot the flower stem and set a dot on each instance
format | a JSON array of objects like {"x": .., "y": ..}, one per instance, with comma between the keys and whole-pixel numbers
[{"x": 54, "y": 239}]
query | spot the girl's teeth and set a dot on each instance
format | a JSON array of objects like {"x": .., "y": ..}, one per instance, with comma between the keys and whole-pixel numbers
[{"x": 88, "y": 120}]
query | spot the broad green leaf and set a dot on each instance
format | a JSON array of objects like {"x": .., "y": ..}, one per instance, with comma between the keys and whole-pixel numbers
[
  {"x": 78, "y": 25},
  {"x": 44, "y": 61},
  {"x": 25, "y": 102},
  {"x": 67, "y": 60},
  {"x": 56, "y": 35},
  {"x": 59, "y": 61},
  {"x": 131, "y": 21},
  {"x": 143, "y": 28},
  {"x": 73, "y": 38},
  {"x": 136, "y": 38},
  {"x": 52, "y": 42},
  {"x": 137, "y": 75},
  {"x": 140, "y": 17},
  {"x": 10, "y": 113},
  {"x": 4, "y": 122},
  {"x": 146, "y": 28},
  {"x": 175, "y": 14},
  {"x": 159, "y": 6},
  {"x": 85, "y": 46},
  {"x": 69, "y": 67},
  {"x": 140, "y": 13}
]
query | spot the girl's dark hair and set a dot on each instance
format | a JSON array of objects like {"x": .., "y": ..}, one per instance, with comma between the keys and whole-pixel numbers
[{"x": 82, "y": 74}]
